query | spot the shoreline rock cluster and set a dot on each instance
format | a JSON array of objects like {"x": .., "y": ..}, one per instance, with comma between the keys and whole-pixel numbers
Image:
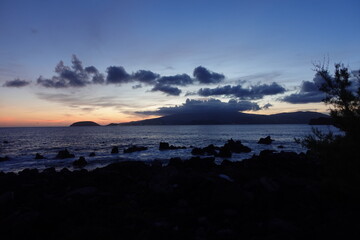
[
  {"x": 225, "y": 151},
  {"x": 269, "y": 196}
]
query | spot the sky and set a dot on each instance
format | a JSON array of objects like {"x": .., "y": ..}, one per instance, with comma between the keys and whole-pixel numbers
[{"x": 113, "y": 61}]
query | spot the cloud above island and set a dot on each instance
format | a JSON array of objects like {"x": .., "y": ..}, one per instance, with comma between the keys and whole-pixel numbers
[
  {"x": 238, "y": 91},
  {"x": 192, "y": 106}
]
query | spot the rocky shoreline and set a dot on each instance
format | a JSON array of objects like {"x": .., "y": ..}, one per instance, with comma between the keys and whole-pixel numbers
[{"x": 270, "y": 196}]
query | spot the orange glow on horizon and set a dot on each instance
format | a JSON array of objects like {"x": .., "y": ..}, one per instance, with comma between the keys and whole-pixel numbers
[{"x": 16, "y": 122}]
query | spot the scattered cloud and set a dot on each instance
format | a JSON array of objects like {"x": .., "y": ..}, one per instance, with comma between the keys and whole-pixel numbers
[
  {"x": 78, "y": 76},
  {"x": 74, "y": 76},
  {"x": 82, "y": 101},
  {"x": 267, "y": 76},
  {"x": 189, "y": 93},
  {"x": 250, "y": 93},
  {"x": 117, "y": 75},
  {"x": 205, "y": 76},
  {"x": 145, "y": 76},
  {"x": 16, "y": 83},
  {"x": 192, "y": 106},
  {"x": 170, "y": 91},
  {"x": 137, "y": 86},
  {"x": 267, "y": 106},
  {"x": 177, "y": 80},
  {"x": 309, "y": 92}
]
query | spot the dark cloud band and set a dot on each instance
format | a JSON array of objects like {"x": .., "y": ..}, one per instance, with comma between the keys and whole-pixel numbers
[
  {"x": 75, "y": 76},
  {"x": 16, "y": 83},
  {"x": 251, "y": 93},
  {"x": 210, "y": 106},
  {"x": 309, "y": 92},
  {"x": 205, "y": 76}
]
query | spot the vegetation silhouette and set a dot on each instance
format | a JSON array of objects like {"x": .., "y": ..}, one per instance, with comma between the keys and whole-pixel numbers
[{"x": 339, "y": 154}]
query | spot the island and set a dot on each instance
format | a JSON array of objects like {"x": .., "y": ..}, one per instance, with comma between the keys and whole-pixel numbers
[{"x": 85, "y": 124}]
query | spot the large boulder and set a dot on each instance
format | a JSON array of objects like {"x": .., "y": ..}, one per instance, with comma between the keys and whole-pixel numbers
[
  {"x": 209, "y": 150},
  {"x": 175, "y": 162},
  {"x": 224, "y": 152},
  {"x": 164, "y": 146},
  {"x": 81, "y": 162},
  {"x": 64, "y": 154},
  {"x": 114, "y": 150},
  {"x": 134, "y": 149},
  {"x": 200, "y": 163},
  {"x": 3, "y": 159},
  {"x": 236, "y": 146},
  {"x": 266, "y": 140},
  {"x": 167, "y": 146},
  {"x": 39, "y": 156}
]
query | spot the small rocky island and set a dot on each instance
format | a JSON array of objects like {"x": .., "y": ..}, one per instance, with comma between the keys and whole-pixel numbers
[{"x": 85, "y": 124}]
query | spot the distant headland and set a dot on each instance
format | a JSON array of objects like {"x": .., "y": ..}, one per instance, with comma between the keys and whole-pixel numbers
[
  {"x": 85, "y": 124},
  {"x": 204, "y": 118}
]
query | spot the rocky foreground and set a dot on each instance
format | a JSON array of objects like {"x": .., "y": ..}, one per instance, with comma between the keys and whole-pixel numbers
[{"x": 271, "y": 196}]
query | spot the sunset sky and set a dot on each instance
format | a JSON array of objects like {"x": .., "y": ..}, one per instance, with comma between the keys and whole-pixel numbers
[{"x": 118, "y": 61}]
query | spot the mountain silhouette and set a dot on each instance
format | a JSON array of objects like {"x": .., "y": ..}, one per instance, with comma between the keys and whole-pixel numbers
[{"x": 228, "y": 118}]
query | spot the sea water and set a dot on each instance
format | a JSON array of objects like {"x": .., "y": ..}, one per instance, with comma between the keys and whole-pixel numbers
[{"x": 21, "y": 144}]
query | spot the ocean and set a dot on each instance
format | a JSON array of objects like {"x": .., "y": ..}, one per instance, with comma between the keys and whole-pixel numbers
[{"x": 21, "y": 144}]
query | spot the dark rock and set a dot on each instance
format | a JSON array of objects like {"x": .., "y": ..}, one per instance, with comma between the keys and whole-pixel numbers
[
  {"x": 209, "y": 150},
  {"x": 83, "y": 191},
  {"x": 266, "y": 140},
  {"x": 39, "y": 156},
  {"x": 266, "y": 152},
  {"x": 166, "y": 146},
  {"x": 269, "y": 185},
  {"x": 227, "y": 163},
  {"x": 50, "y": 170},
  {"x": 65, "y": 171},
  {"x": 197, "y": 151},
  {"x": 29, "y": 172},
  {"x": 6, "y": 198},
  {"x": 281, "y": 146},
  {"x": 237, "y": 146},
  {"x": 226, "y": 177},
  {"x": 6, "y": 142},
  {"x": 277, "y": 225},
  {"x": 175, "y": 162},
  {"x": 3, "y": 159},
  {"x": 134, "y": 149},
  {"x": 224, "y": 152},
  {"x": 64, "y": 154},
  {"x": 156, "y": 164},
  {"x": 114, "y": 150},
  {"x": 81, "y": 162},
  {"x": 200, "y": 163},
  {"x": 92, "y": 154}
]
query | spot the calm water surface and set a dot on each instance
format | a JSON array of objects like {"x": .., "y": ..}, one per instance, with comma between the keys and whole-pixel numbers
[{"x": 24, "y": 143}]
